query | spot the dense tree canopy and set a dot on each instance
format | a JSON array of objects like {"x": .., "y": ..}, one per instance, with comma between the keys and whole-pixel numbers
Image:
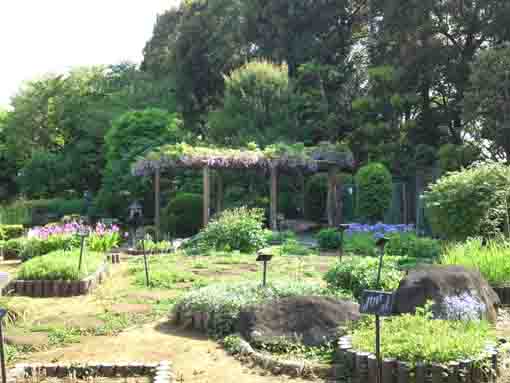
[{"x": 405, "y": 83}]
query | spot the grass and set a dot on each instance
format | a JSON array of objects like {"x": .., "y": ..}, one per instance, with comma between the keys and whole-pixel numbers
[
  {"x": 60, "y": 265},
  {"x": 491, "y": 259}
]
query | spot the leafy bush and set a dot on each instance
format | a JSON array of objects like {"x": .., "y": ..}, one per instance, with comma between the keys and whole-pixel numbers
[
  {"x": 356, "y": 274},
  {"x": 236, "y": 229},
  {"x": 410, "y": 245},
  {"x": 103, "y": 242},
  {"x": 491, "y": 259},
  {"x": 10, "y": 231},
  {"x": 360, "y": 244},
  {"x": 26, "y": 248},
  {"x": 329, "y": 239},
  {"x": 60, "y": 265},
  {"x": 225, "y": 301},
  {"x": 182, "y": 217},
  {"x": 292, "y": 246},
  {"x": 374, "y": 191},
  {"x": 414, "y": 338},
  {"x": 276, "y": 237},
  {"x": 469, "y": 203},
  {"x": 151, "y": 246}
]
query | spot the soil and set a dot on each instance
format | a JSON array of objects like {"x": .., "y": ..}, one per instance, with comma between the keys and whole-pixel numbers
[{"x": 195, "y": 359}]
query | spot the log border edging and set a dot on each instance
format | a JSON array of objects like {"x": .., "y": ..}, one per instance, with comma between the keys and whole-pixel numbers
[
  {"x": 363, "y": 365},
  {"x": 159, "y": 372},
  {"x": 48, "y": 289}
]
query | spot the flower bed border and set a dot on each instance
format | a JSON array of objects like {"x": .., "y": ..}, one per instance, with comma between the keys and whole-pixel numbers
[
  {"x": 159, "y": 372},
  {"x": 48, "y": 289},
  {"x": 363, "y": 366}
]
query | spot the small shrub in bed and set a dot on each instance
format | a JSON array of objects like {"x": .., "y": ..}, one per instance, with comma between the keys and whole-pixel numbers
[
  {"x": 491, "y": 259},
  {"x": 329, "y": 239},
  {"x": 374, "y": 191},
  {"x": 27, "y": 248},
  {"x": 414, "y": 338},
  {"x": 410, "y": 245},
  {"x": 225, "y": 301},
  {"x": 356, "y": 274},
  {"x": 60, "y": 265},
  {"x": 236, "y": 229},
  {"x": 182, "y": 217}
]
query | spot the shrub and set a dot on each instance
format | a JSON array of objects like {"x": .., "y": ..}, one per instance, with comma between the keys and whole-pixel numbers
[
  {"x": 360, "y": 244},
  {"x": 356, "y": 274},
  {"x": 236, "y": 229},
  {"x": 374, "y": 191},
  {"x": 103, "y": 242},
  {"x": 60, "y": 265},
  {"x": 225, "y": 301},
  {"x": 10, "y": 231},
  {"x": 469, "y": 203},
  {"x": 329, "y": 239},
  {"x": 292, "y": 246},
  {"x": 491, "y": 259},
  {"x": 410, "y": 245},
  {"x": 26, "y": 248},
  {"x": 182, "y": 217},
  {"x": 414, "y": 338}
]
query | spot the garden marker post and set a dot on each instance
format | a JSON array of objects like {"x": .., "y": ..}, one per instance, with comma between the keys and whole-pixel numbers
[
  {"x": 264, "y": 256},
  {"x": 145, "y": 262},
  {"x": 379, "y": 303},
  {"x": 83, "y": 232},
  {"x": 3, "y": 312},
  {"x": 343, "y": 227}
]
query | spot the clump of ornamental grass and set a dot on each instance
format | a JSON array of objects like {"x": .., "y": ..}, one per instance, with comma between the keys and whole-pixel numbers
[{"x": 491, "y": 259}]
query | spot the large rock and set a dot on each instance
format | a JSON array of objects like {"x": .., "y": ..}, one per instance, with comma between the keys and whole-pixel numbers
[
  {"x": 312, "y": 321},
  {"x": 457, "y": 293}
]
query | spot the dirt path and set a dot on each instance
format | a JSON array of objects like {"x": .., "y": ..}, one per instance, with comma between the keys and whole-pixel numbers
[{"x": 195, "y": 358}]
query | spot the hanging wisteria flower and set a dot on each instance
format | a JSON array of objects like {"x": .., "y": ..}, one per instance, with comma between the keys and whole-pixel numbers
[{"x": 379, "y": 229}]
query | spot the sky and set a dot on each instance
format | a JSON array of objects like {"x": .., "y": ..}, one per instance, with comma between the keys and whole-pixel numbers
[{"x": 42, "y": 36}]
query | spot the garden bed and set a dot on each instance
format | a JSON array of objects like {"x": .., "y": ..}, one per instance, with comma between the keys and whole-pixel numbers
[
  {"x": 155, "y": 372},
  {"x": 363, "y": 366},
  {"x": 59, "y": 288}
]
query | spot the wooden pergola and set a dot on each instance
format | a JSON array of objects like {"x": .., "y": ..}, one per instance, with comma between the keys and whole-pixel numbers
[{"x": 274, "y": 160}]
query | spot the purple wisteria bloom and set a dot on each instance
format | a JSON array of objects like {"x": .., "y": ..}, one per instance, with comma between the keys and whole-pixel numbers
[
  {"x": 70, "y": 228},
  {"x": 378, "y": 230}
]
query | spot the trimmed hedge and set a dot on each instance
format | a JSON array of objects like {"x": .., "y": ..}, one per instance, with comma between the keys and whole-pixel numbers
[
  {"x": 60, "y": 265},
  {"x": 182, "y": 217},
  {"x": 374, "y": 191}
]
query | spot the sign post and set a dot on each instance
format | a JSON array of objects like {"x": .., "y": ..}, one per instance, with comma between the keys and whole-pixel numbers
[
  {"x": 265, "y": 257},
  {"x": 3, "y": 312},
  {"x": 378, "y": 303}
]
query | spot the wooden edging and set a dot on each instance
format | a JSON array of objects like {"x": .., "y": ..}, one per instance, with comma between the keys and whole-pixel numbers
[
  {"x": 44, "y": 289},
  {"x": 363, "y": 366},
  {"x": 159, "y": 372}
]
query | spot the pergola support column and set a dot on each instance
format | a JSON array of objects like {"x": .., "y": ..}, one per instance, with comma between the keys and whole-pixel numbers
[
  {"x": 334, "y": 199},
  {"x": 207, "y": 195},
  {"x": 157, "y": 203},
  {"x": 219, "y": 191},
  {"x": 274, "y": 199}
]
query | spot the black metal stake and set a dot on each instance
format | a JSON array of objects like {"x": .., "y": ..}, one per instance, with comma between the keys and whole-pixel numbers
[
  {"x": 82, "y": 245},
  {"x": 378, "y": 322},
  {"x": 146, "y": 264},
  {"x": 2, "y": 353},
  {"x": 264, "y": 275}
]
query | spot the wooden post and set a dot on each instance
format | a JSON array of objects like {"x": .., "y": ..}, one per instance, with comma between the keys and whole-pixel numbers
[
  {"x": 339, "y": 218},
  {"x": 157, "y": 203},
  {"x": 219, "y": 191},
  {"x": 334, "y": 205},
  {"x": 302, "y": 187},
  {"x": 207, "y": 195},
  {"x": 274, "y": 199}
]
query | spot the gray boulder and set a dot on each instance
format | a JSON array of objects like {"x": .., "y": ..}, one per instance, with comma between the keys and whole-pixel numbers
[
  {"x": 311, "y": 321},
  {"x": 457, "y": 293}
]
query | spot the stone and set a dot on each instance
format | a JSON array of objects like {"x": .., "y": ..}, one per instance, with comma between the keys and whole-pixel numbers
[
  {"x": 311, "y": 321},
  {"x": 456, "y": 292}
]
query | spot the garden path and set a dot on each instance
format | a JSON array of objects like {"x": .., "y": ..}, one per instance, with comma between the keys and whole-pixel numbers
[{"x": 195, "y": 358}]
